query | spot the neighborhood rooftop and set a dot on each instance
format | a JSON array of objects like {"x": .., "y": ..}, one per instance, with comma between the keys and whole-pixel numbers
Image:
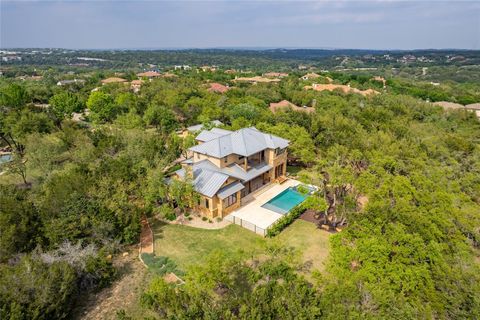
[
  {"x": 243, "y": 142},
  {"x": 201, "y": 126}
]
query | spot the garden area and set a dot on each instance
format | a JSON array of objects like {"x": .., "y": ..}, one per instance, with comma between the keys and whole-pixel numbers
[{"x": 188, "y": 246}]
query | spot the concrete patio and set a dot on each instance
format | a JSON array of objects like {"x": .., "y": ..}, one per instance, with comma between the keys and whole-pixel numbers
[{"x": 255, "y": 218}]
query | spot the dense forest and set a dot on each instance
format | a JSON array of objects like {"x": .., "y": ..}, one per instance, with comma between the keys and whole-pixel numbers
[{"x": 73, "y": 192}]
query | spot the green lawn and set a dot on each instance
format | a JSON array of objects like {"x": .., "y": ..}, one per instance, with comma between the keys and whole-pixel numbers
[{"x": 187, "y": 245}]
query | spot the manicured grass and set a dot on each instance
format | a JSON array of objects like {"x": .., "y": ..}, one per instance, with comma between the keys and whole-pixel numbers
[
  {"x": 311, "y": 241},
  {"x": 187, "y": 245}
]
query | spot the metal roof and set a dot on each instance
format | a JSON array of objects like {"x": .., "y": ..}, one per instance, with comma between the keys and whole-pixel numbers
[
  {"x": 244, "y": 142},
  {"x": 208, "y": 182},
  {"x": 208, "y": 178},
  {"x": 230, "y": 189},
  {"x": 200, "y": 126},
  {"x": 207, "y": 135}
]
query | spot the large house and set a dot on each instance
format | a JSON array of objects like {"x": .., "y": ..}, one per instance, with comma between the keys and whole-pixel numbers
[{"x": 226, "y": 166}]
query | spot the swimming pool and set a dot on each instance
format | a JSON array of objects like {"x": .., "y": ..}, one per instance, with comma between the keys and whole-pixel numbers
[
  {"x": 5, "y": 158},
  {"x": 284, "y": 202}
]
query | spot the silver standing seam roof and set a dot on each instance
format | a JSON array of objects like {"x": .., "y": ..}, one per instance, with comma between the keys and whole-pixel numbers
[
  {"x": 230, "y": 189},
  {"x": 200, "y": 126},
  {"x": 243, "y": 142},
  {"x": 207, "y": 135},
  {"x": 208, "y": 179}
]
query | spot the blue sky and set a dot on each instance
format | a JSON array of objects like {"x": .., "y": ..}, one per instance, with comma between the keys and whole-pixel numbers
[{"x": 382, "y": 24}]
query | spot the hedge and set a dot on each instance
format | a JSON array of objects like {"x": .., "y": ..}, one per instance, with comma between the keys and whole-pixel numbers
[{"x": 286, "y": 220}]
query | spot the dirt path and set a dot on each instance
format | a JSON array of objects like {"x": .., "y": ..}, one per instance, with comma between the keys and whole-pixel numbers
[
  {"x": 124, "y": 293},
  {"x": 146, "y": 237}
]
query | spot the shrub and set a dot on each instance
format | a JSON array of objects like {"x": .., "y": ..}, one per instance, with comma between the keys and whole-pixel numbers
[
  {"x": 160, "y": 265},
  {"x": 187, "y": 214},
  {"x": 204, "y": 218},
  {"x": 219, "y": 219},
  {"x": 303, "y": 189},
  {"x": 166, "y": 212},
  {"x": 190, "y": 218},
  {"x": 210, "y": 221},
  {"x": 286, "y": 220}
]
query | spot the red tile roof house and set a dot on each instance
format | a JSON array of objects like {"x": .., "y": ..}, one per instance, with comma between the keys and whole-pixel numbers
[
  {"x": 148, "y": 74},
  {"x": 284, "y": 105},
  {"x": 275, "y": 74},
  {"x": 218, "y": 88}
]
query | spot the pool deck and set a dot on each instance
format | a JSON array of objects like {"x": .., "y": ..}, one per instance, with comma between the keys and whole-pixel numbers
[{"x": 253, "y": 211}]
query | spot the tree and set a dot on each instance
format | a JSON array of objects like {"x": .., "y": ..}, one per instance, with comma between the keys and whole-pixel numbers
[
  {"x": 161, "y": 118},
  {"x": 13, "y": 96},
  {"x": 227, "y": 287},
  {"x": 19, "y": 222},
  {"x": 102, "y": 106},
  {"x": 187, "y": 142},
  {"x": 64, "y": 104}
]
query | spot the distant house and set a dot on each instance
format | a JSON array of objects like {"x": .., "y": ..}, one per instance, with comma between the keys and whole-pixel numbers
[
  {"x": 169, "y": 75},
  {"x": 135, "y": 85},
  {"x": 230, "y": 71},
  {"x": 380, "y": 79},
  {"x": 149, "y": 74},
  {"x": 275, "y": 75},
  {"x": 218, "y": 88},
  {"x": 256, "y": 79},
  {"x": 113, "y": 80},
  {"x": 182, "y": 67},
  {"x": 310, "y": 76},
  {"x": 67, "y": 82},
  {"x": 208, "y": 68},
  {"x": 198, "y": 127},
  {"x": 341, "y": 87},
  {"x": 285, "y": 105},
  {"x": 227, "y": 166}
]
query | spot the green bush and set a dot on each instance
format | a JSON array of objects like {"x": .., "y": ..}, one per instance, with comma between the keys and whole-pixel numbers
[
  {"x": 204, "y": 218},
  {"x": 160, "y": 265},
  {"x": 286, "y": 220}
]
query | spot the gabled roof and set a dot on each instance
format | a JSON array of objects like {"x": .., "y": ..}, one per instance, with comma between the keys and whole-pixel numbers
[
  {"x": 209, "y": 182},
  {"x": 208, "y": 179},
  {"x": 230, "y": 189},
  {"x": 243, "y": 142},
  {"x": 113, "y": 80},
  {"x": 207, "y": 135},
  {"x": 217, "y": 87},
  {"x": 149, "y": 74}
]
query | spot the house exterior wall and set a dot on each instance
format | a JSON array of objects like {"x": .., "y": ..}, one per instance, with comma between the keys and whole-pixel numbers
[
  {"x": 199, "y": 157},
  {"x": 223, "y": 211},
  {"x": 216, "y": 206}
]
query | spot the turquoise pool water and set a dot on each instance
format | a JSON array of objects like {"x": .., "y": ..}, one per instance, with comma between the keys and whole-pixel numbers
[
  {"x": 5, "y": 158},
  {"x": 285, "y": 201}
]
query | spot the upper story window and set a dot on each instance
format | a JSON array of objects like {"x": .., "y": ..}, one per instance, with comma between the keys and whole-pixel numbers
[
  {"x": 198, "y": 155},
  {"x": 240, "y": 157},
  {"x": 279, "y": 151},
  {"x": 225, "y": 159}
]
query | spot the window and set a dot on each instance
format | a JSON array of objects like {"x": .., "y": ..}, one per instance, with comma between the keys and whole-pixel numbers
[
  {"x": 279, "y": 151},
  {"x": 228, "y": 201},
  {"x": 225, "y": 159},
  {"x": 198, "y": 155},
  {"x": 240, "y": 157},
  {"x": 207, "y": 203}
]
